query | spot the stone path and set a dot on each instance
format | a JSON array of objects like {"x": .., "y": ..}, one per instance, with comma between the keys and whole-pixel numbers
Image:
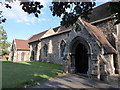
[{"x": 74, "y": 81}]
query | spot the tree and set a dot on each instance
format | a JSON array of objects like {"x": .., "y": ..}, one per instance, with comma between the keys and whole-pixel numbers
[
  {"x": 76, "y": 10},
  {"x": 68, "y": 11},
  {"x": 3, "y": 42},
  {"x": 31, "y": 7},
  {"x": 59, "y": 9}
]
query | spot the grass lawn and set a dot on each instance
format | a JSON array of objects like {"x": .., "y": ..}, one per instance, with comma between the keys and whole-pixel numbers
[
  {"x": 3, "y": 60},
  {"x": 27, "y": 74}
]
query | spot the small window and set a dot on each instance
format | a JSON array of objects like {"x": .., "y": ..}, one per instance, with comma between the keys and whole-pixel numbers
[
  {"x": 62, "y": 48},
  {"x": 45, "y": 50}
]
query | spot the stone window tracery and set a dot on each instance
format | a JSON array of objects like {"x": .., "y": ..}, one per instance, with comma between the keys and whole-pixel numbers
[
  {"x": 45, "y": 49},
  {"x": 62, "y": 48}
]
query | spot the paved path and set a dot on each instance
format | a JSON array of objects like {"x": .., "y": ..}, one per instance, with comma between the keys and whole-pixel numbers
[{"x": 74, "y": 81}]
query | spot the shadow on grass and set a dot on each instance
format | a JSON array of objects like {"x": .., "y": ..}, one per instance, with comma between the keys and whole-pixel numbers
[
  {"x": 27, "y": 74},
  {"x": 33, "y": 82}
]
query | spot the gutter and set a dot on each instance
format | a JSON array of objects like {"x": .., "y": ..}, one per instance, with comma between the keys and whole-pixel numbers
[
  {"x": 97, "y": 21},
  {"x": 101, "y": 20},
  {"x": 55, "y": 34}
]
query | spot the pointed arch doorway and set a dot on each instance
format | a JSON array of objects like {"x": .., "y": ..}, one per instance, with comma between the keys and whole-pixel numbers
[
  {"x": 81, "y": 59},
  {"x": 79, "y": 55}
]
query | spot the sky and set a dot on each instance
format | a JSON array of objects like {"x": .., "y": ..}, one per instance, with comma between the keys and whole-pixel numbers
[{"x": 20, "y": 25}]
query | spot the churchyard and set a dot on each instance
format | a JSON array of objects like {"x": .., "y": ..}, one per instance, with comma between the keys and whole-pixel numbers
[{"x": 27, "y": 74}]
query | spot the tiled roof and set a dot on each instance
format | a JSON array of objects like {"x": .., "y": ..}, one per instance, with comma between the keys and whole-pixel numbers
[
  {"x": 100, "y": 12},
  {"x": 36, "y": 37},
  {"x": 21, "y": 44},
  {"x": 93, "y": 29},
  {"x": 62, "y": 29},
  {"x": 56, "y": 28},
  {"x": 100, "y": 37}
]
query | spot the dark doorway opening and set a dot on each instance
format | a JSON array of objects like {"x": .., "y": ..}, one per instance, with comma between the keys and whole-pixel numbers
[
  {"x": 32, "y": 58},
  {"x": 115, "y": 58},
  {"x": 81, "y": 59}
]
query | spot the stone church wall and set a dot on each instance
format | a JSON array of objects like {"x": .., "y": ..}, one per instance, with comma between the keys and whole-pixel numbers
[
  {"x": 108, "y": 28},
  {"x": 93, "y": 47},
  {"x": 118, "y": 45},
  {"x": 33, "y": 51},
  {"x": 53, "y": 52},
  {"x": 112, "y": 33},
  {"x": 18, "y": 55},
  {"x": 110, "y": 63},
  {"x": 15, "y": 56},
  {"x": 100, "y": 66}
]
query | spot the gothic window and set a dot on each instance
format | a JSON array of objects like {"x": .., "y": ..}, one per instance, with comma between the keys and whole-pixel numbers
[
  {"x": 45, "y": 50},
  {"x": 40, "y": 54},
  {"x": 32, "y": 55},
  {"x": 36, "y": 50},
  {"x": 62, "y": 48}
]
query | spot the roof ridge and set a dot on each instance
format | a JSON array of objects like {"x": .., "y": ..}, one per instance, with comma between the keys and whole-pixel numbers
[
  {"x": 21, "y": 44},
  {"x": 19, "y": 39},
  {"x": 37, "y": 34},
  {"x": 101, "y": 4}
]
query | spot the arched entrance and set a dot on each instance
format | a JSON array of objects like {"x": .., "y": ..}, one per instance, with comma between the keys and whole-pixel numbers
[
  {"x": 81, "y": 59},
  {"x": 80, "y": 56}
]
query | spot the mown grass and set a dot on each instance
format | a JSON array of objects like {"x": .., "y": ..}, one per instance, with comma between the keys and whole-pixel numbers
[
  {"x": 27, "y": 74},
  {"x": 3, "y": 59}
]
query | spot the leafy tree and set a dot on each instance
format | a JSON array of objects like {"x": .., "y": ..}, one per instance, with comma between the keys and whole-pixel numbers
[
  {"x": 68, "y": 11},
  {"x": 3, "y": 42},
  {"x": 76, "y": 10},
  {"x": 59, "y": 9},
  {"x": 2, "y": 19},
  {"x": 31, "y": 7}
]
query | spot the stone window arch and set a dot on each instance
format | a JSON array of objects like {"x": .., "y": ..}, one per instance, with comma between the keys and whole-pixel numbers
[
  {"x": 62, "y": 48},
  {"x": 32, "y": 55},
  {"x": 45, "y": 50}
]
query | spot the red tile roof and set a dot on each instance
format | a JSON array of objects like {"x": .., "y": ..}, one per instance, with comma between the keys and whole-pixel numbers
[
  {"x": 100, "y": 37},
  {"x": 36, "y": 37},
  {"x": 21, "y": 44}
]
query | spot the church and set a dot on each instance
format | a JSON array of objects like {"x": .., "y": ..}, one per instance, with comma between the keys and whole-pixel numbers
[{"x": 88, "y": 47}]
